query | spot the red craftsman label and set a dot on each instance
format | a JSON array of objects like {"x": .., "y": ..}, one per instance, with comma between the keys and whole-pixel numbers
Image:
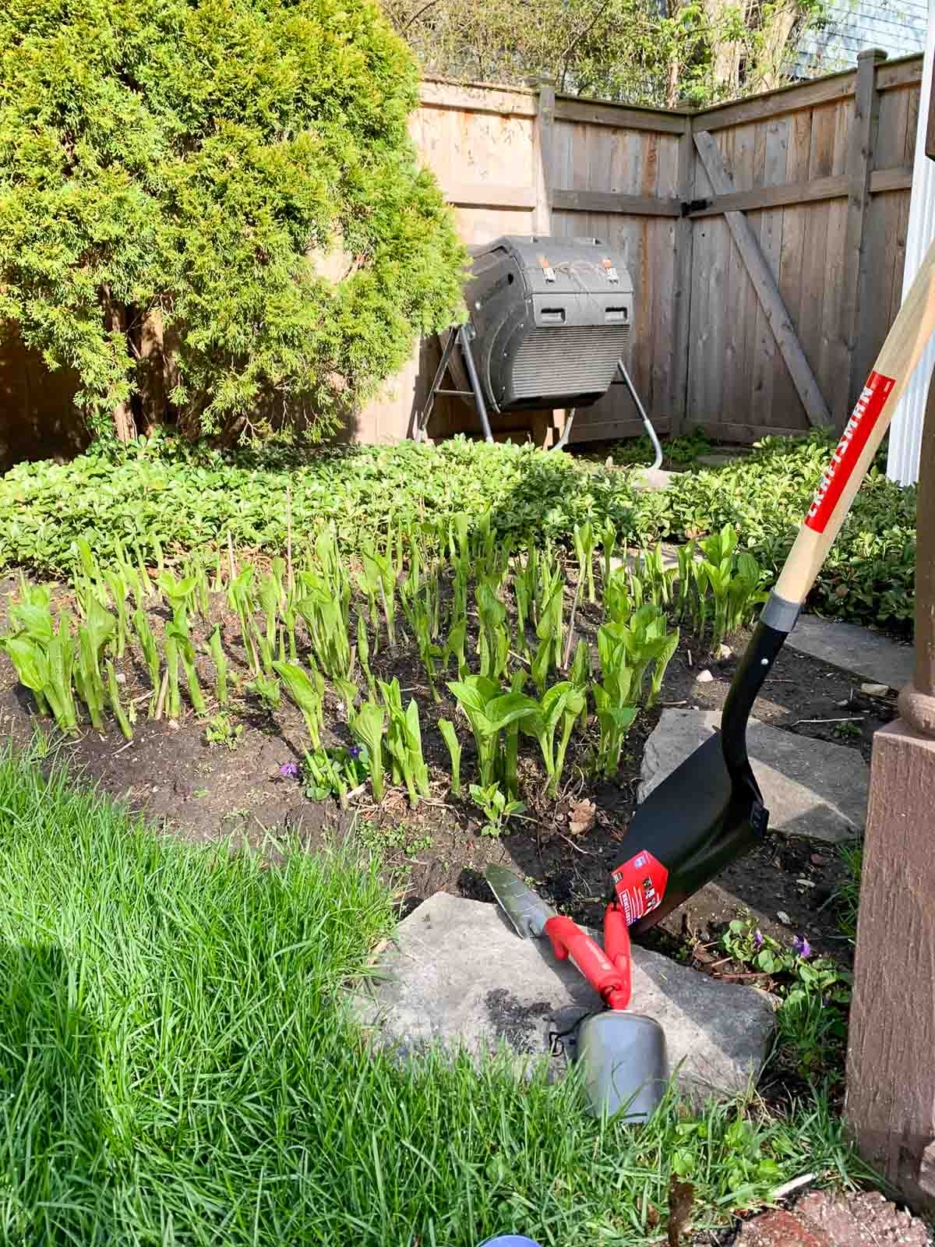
[
  {"x": 853, "y": 440},
  {"x": 640, "y": 884}
]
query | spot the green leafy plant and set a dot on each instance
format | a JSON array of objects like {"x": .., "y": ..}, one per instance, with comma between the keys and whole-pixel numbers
[
  {"x": 150, "y": 651},
  {"x": 307, "y": 690},
  {"x": 814, "y": 993},
  {"x": 404, "y": 742},
  {"x": 116, "y": 705},
  {"x": 489, "y": 711},
  {"x": 367, "y": 726},
  {"x": 450, "y": 737},
  {"x": 214, "y": 216},
  {"x": 269, "y": 691},
  {"x": 186, "y": 652},
  {"x": 494, "y": 639},
  {"x": 219, "y": 659},
  {"x": 223, "y": 729},
  {"x": 496, "y": 807},
  {"x": 335, "y": 772},
  {"x": 93, "y": 635},
  {"x": 585, "y": 541}
]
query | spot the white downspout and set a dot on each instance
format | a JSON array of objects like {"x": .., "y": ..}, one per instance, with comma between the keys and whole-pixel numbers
[{"x": 902, "y": 462}]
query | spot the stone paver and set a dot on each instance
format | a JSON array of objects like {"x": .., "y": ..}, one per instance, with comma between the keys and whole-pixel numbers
[
  {"x": 869, "y": 655},
  {"x": 827, "y": 1219},
  {"x": 458, "y": 974},
  {"x": 810, "y": 787}
]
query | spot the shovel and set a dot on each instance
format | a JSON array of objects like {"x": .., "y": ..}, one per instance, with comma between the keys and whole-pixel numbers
[
  {"x": 622, "y": 1055},
  {"x": 710, "y": 810}
]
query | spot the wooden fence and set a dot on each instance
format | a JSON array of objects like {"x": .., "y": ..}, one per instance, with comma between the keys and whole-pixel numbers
[{"x": 765, "y": 239}]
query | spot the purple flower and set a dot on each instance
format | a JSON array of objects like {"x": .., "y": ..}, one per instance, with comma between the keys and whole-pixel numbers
[
  {"x": 354, "y": 751},
  {"x": 758, "y": 940},
  {"x": 289, "y": 770},
  {"x": 801, "y": 947}
]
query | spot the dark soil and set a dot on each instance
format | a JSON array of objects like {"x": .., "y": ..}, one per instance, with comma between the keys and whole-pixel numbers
[{"x": 208, "y": 792}]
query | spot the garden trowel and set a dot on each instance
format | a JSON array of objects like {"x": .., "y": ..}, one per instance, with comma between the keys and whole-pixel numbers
[
  {"x": 622, "y": 1055},
  {"x": 709, "y": 810}
]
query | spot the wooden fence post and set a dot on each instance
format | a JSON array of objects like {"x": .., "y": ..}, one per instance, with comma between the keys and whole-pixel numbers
[
  {"x": 890, "y": 1066},
  {"x": 682, "y": 291},
  {"x": 860, "y": 154},
  {"x": 542, "y": 152}
]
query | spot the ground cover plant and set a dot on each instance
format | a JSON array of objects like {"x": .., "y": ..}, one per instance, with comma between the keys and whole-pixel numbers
[
  {"x": 162, "y": 495},
  {"x": 178, "y": 1069}
]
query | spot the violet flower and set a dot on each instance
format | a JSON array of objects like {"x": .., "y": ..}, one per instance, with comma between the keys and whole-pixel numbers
[
  {"x": 801, "y": 947},
  {"x": 289, "y": 770},
  {"x": 758, "y": 940},
  {"x": 354, "y": 751}
]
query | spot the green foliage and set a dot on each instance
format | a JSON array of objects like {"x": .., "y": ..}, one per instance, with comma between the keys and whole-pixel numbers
[
  {"x": 404, "y": 742},
  {"x": 116, "y": 705},
  {"x": 868, "y": 576},
  {"x": 496, "y": 807},
  {"x": 164, "y": 493},
  {"x": 307, "y": 690},
  {"x": 490, "y": 711},
  {"x": 450, "y": 736},
  {"x": 223, "y": 729},
  {"x": 334, "y": 772},
  {"x": 814, "y": 992},
  {"x": 628, "y": 50},
  {"x": 367, "y": 726},
  {"x": 215, "y": 163}
]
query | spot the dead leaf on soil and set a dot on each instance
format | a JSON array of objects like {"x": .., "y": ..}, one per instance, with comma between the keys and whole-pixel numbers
[
  {"x": 581, "y": 818},
  {"x": 681, "y": 1198}
]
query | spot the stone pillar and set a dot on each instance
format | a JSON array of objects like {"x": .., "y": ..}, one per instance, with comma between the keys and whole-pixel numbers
[{"x": 891, "y": 1057}]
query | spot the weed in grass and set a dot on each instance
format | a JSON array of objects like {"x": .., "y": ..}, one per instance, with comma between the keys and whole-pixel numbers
[
  {"x": 388, "y": 839},
  {"x": 814, "y": 993},
  {"x": 847, "y": 895}
]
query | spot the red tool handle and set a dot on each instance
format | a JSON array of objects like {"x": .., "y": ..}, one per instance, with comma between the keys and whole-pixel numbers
[{"x": 607, "y": 972}]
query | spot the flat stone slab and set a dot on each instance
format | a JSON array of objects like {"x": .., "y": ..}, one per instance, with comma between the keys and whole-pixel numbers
[
  {"x": 459, "y": 975},
  {"x": 870, "y": 655},
  {"x": 810, "y": 787}
]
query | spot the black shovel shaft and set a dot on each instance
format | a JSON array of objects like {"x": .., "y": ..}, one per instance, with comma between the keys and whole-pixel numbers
[{"x": 755, "y": 666}]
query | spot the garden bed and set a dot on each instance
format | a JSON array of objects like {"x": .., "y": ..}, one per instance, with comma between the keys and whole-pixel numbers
[{"x": 208, "y": 791}]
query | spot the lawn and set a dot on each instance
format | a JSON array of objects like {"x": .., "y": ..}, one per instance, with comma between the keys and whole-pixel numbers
[{"x": 177, "y": 1067}]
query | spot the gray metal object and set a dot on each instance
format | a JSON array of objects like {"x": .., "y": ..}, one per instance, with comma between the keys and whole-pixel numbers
[
  {"x": 622, "y": 1055},
  {"x": 528, "y": 912},
  {"x": 624, "y": 1065},
  {"x": 647, "y": 423}
]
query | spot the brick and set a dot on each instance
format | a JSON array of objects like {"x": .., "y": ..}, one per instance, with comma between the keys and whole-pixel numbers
[{"x": 779, "y": 1229}]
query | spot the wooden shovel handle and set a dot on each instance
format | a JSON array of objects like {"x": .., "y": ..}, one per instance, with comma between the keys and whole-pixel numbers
[{"x": 905, "y": 342}]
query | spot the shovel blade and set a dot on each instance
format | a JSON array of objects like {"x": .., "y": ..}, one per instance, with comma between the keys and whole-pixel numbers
[
  {"x": 624, "y": 1063},
  {"x": 698, "y": 819}
]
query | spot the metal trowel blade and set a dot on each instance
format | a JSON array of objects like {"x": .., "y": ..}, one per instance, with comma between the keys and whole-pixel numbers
[{"x": 528, "y": 912}]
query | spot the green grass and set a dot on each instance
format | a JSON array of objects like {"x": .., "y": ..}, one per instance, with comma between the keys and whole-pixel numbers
[{"x": 176, "y": 1069}]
